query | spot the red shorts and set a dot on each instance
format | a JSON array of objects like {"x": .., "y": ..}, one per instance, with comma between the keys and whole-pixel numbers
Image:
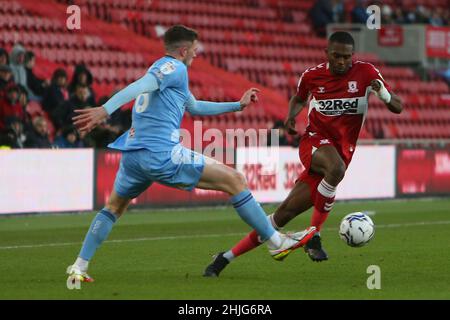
[{"x": 309, "y": 143}]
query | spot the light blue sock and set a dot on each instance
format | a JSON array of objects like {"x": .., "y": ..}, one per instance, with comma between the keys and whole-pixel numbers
[
  {"x": 251, "y": 212},
  {"x": 98, "y": 232}
]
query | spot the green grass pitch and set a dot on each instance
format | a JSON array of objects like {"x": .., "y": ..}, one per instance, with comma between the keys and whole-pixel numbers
[{"x": 161, "y": 254}]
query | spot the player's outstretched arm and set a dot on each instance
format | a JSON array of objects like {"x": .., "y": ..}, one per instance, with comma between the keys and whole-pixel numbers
[
  {"x": 208, "y": 108},
  {"x": 392, "y": 101},
  {"x": 295, "y": 106},
  {"x": 88, "y": 119}
]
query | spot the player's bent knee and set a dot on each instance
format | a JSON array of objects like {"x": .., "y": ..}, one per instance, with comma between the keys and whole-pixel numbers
[
  {"x": 337, "y": 171},
  {"x": 117, "y": 205},
  {"x": 236, "y": 183},
  {"x": 241, "y": 182}
]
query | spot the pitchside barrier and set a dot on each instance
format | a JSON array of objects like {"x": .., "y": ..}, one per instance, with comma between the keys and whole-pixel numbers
[{"x": 72, "y": 180}]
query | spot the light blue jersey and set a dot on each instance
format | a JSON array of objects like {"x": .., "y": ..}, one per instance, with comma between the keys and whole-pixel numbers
[
  {"x": 151, "y": 147},
  {"x": 156, "y": 116}
]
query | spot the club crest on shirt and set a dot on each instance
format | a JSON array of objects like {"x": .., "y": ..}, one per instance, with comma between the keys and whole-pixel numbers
[
  {"x": 352, "y": 87},
  {"x": 321, "y": 90},
  {"x": 167, "y": 68}
]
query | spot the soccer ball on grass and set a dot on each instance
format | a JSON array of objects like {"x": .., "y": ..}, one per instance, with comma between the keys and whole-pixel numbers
[{"x": 356, "y": 229}]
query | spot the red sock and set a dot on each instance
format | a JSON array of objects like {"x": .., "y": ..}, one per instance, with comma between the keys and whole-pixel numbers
[
  {"x": 322, "y": 204},
  {"x": 249, "y": 242},
  {"x": 318, "y": 218}
]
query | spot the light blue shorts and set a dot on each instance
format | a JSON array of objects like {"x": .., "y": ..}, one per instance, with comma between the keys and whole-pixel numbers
[{"x": 180, "y": 168}]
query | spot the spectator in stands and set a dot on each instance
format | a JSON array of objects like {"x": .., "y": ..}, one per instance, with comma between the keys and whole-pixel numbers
[
  {"x": 359, "y": 14},
  {"x": 409, "y": 16},
  {"x": 37, "y": 137},
  {"x": 324, "y": 12},
  {"x": 35, "y": 85},
  {"x": 120, "y": 120},
  {"x": 283, "y": 138},
  {"x": 399, "y": 16},
  {"x": 10, "y": 106},
  {"x": 321, "y": 15},
  {"x": 387, "y": 14},
  {"x": 420, "y": 15},
  {"x": 23, "y": 101},
  {"x": 101, "y": 136},
  {"x": 81, "y": 97},
  {"x": 437, "y": 18},
  {"x": 5, "y": 77},
  {"x": 17, "y": 58},
  {"x": 396, "y": 14},
  {"x": 68, "y": 138},
  {"x": 4, "y": 58},
  {"x": 62, "y": 115},
  {"x": 82, "y": 76},
  {"x": 14, "y": 136},
  {"x": 56, "y": 94}
]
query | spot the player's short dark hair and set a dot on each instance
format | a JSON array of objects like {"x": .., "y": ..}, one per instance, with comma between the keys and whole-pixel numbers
[
  {"x": 177, "y": 34},
  {"x": 342, "y": 37}
]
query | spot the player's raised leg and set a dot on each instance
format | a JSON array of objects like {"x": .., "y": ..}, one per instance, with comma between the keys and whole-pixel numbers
[
  {"x": 217, "y": 176},
  {"x": 327, "y": 162},
  {"x": 298, "y": 201},
  {"x": 98, "y": 232}
]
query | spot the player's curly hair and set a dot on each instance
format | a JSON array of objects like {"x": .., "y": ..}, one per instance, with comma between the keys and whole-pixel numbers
[
  {"x": 342, "y": 37},
  {"x": 176, "y": 35}
]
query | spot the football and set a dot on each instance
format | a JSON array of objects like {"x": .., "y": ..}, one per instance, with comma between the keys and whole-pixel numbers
[{"x": 356, "y": 229}]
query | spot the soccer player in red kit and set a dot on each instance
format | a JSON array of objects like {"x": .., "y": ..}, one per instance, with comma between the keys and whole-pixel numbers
[{"x": 338, "y": 91}]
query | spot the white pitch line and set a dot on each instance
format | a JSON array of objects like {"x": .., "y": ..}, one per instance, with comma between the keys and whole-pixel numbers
[{"x": 62, "y": 244}]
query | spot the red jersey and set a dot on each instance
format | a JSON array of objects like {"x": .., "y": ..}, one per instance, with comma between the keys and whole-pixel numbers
[{"x": 338, "y": 104}]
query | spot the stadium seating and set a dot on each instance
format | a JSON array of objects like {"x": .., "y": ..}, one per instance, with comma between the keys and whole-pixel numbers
[
  {"x": 267, "y": 42},
  {"x": 254, "y": 40}
]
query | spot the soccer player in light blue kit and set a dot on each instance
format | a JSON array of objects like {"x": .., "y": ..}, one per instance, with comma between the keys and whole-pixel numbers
[{"x": 151, "y": 150}]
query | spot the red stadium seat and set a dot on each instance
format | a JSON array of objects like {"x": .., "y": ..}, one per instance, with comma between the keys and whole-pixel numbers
[{"x": 253, "y": 42}]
